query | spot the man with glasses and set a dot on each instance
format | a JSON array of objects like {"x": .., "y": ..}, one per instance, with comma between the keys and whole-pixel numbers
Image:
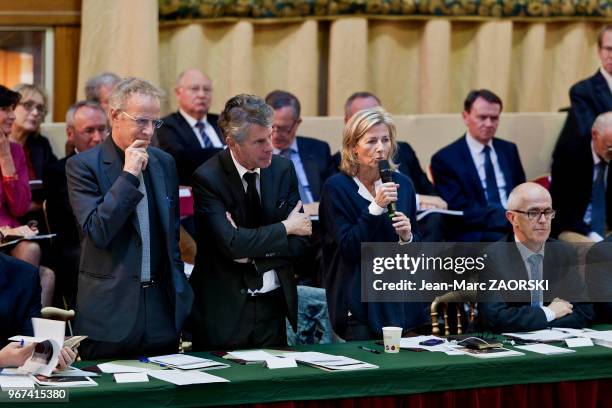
[
  {"x": 528, "y": 254},
  {"x": 591, "y": 96},
  {"x": 86, "y": 127},
  {"x": 191, "y": 135},
  {"x": 579, "y": 185},
  {"x": 133, "y": 296}
]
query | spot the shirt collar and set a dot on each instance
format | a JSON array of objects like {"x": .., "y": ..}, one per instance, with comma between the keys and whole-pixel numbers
[
  {"x": 474, "y": 145},
  {"x": 293, "y": 147},
  {"x": 596, "y": 158},
  {"x": 526, "y": 252},
  {"x": 190, "y": 119},
  {"x": 241, "y": 169},
  {"x": 607, "y": 76},
  {"x": 363, "y": 190}
]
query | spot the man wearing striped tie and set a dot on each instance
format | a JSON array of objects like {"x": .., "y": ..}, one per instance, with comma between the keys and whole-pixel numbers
[
  {"x": 543, "y": 269},
  {"x": 133, "y": 296}
]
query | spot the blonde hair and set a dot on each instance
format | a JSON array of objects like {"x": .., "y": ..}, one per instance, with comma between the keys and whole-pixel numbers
[
  {"x": 29, "y": 89},
  {"x": 356, "y": 128}
]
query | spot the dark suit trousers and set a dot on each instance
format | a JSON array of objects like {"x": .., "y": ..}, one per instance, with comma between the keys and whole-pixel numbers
[
  {"x": 262, "y": 322},
  {"x": 153, "y": 333}
]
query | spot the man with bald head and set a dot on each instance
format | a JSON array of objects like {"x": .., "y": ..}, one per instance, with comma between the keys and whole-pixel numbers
[
  {"x": 191, "y": 135},
  {"x": 580, "y": 183},
  {"x": 529, "y": 253}
]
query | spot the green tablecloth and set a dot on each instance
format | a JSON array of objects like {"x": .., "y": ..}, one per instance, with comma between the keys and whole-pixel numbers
[{"x": 399, "y": 374}]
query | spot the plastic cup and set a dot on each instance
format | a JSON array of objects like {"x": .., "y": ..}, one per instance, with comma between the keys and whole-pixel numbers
[{"x": 391, "y": 338}]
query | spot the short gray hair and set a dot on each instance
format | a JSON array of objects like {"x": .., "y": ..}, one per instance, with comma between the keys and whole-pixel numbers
[
  {"x": 92, "y": 86},
  {"x": 241, "y": 112},
  {"x": 129, "y": 86},
  {"x": 78, "y": 105},
  {"x": 602, "y": 122}
]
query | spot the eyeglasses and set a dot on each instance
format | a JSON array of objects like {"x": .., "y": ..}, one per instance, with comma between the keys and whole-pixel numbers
[
  {"x": 196, "y": 89},
  {"x": 31, "y": 105},
  {"x": 283, "y": 130},
  {"x": 144, "y": 122},
  {"x": 534, "y": 215}
]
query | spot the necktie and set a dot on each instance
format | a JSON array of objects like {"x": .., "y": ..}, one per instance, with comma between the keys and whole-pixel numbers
[
  {"x": 492, "y": 189},
  {"x": 535, "y": 265},
  {"x": 598, "y": 201},
  {"x": 142, "y": 211},
  {"x": 304, "y": 196},
  {"x": 254, "y": 280},
  {"x": 205, "y": 140}
]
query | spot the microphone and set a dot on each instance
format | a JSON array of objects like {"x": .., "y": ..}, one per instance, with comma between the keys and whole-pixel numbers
[{"x": 386, "y": 175}]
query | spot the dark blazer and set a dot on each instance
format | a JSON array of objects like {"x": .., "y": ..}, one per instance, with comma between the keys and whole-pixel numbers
[
  {"x": 598, "y": 277},
  {"x": 40, "y": 153},
  {"x": 317, "y": 161},
  {"x": 218, "y": 281},
  {"x": 504, "y": 312},
  {"x": 588, "y": 98},
  {"x": 59, "y": 212},
  {"x": 409, "y": 165},
  {"x": 571, "y": 186},
  {"x": 345, "y": 224},
  {"x": 19, "y": 297},
  {"x": 104, "y": 201},
  {"x": 457, "y": 181},
  {"x": 177, "y": 138}
]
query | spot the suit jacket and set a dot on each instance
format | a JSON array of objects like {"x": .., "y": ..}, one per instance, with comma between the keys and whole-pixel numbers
[
  {"x": 59, "y": 212},
  {"x": 218, "y": 281},
  {"x": 19, "y": 297},
  {"x": 177, "y": 138},
  {"x": 505, "y": 312},
  {"x": 104, "y": 202},
  {"x": 457, "y": 181},
  {"x": 599, "y": 279},
  {"x": 345, "y": 224},
  {"x": 588, "y": 98},
  {"x": 409, "y": 165},
  {"x": 317, "y": 161},
  {"x": 571, "y": 186}
]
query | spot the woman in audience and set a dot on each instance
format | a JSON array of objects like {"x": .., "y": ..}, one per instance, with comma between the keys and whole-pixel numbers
[
  {"x": 15, "y": 196},
  {"x": 353, "y": 209},
  {"x": 29, "y": 115}
]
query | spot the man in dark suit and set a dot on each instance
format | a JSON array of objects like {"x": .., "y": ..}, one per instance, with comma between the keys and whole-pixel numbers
[
  {"x": 580, "y": 185},
  {"x": 528, "y": 253},
  {"x": 191, "y": 135},
  {"x": 86, "y": 127},
  {"x": 133, "y": 296},
  {"x": 590, "y": 97},
  {"x": 431, "y": 227},
  {"x": 250, "y": 233},
  {"x": 475, "y": 173}
]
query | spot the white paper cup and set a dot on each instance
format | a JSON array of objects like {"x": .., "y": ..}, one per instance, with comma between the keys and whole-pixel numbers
[{"x": 391, "y": 338}]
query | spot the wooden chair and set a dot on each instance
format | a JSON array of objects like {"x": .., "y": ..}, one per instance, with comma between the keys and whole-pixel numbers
[{"x": 441, "y": 302}]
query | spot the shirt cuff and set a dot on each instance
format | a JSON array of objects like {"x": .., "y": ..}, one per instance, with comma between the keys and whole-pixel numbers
[
  {"x": 418, "y": 205},
  {"x": 375, "y": 209},
  {"x": 595, "y": 237},
  {"x": 550, "y": 315}
]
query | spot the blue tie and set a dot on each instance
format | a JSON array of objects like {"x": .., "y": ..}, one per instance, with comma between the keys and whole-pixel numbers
[
  {"x": 286, "y": 153},
  {"x": 598, "y": 201},
  {"x": 492, "y": 190},
  {"x": 535, "y": 266},
  {"x": 205, "y": 139}
]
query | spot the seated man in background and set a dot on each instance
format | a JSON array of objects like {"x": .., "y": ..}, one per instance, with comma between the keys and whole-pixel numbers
[
  {"x": 529, "y": 253},
  {"x": 432, "y": 226},
  {"x": 191, "y": 135},
  {"x": 98, "y": 89},
  {"x": 475, "y": 173},
  {"x": 86, "y": 127},
  {"x": 580, "y": 187}
]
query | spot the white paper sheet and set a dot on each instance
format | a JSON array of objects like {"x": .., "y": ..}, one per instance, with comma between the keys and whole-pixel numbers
[
  {"x": 111, "y": 368},
  {"x": 10, "y": 381},
  {"x": 186, "y": 377},
  {"x": 121, "y": 378},
  {"x": 546, "y": 349}
]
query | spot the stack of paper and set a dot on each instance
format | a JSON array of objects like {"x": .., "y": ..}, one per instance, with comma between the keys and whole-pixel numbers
[
  {"x": 11, "y": 380},
  {"x": 186, "y": 362},
  {"x": 602, "y": 338},
  {"x": 186, "y": 377},
  {"x": 542, "y": 336},
  {"x": 251, "y": 356},
  {"x": 330, "y": 362},
  {"x": 445, "y": 347},
  {"x": 546, "y": 349}
]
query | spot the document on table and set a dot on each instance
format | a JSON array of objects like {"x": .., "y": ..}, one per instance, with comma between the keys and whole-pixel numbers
[
  {"x": 10, "y": 381},
  {"x": 329, "y": 362},
  {"x": 545, "y": 335},
  {"x": 251, "y": 355},
  {"x": 446, "y": 347},
  {"x": 601, "y": 338},
  {"x": 122, "y": 378},
  {"x": 114, "y": 367},
  {"x": 546, "y": 349},
  {"x": 186, "y": 377},
  {"x": 187, "y": 362}
]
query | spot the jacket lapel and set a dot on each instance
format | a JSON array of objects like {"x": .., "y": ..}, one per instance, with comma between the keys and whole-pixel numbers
[
  {"x": 470, "y": 168},
  {"x": 158, "y": 181},
  {"x": 186, "y": 132},
  {"x": 236, "y": 186}
]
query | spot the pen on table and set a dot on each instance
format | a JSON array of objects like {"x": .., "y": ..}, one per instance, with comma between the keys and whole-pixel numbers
[
  {"x": 369, "y": 349},
  {"x": 146, "y": 360}
]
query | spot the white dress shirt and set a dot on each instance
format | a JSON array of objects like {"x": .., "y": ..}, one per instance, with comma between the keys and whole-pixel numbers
[
  {"x": 607, "y": 76},
  {"x": 478, "y": 157},
  {"x": 208, "y": 129},
  {"x": 270, "y": 279}
]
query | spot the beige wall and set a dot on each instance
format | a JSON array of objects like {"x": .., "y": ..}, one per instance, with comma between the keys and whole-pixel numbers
[{"x": 534, "y": 133}]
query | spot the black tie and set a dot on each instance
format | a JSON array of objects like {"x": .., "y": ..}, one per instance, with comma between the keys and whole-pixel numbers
[
  {"x": 598, "y": 208},
  {"x": 492, "y": 190},
  {"x": 253, "y": 203}
]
